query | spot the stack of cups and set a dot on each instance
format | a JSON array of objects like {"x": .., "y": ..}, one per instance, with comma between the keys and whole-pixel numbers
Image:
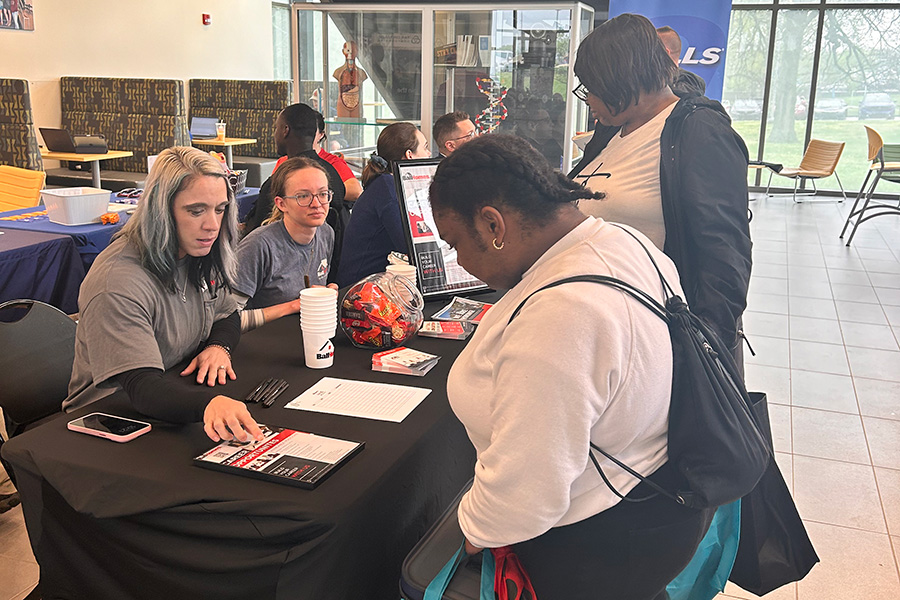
[
  {"x": 318, "y": 320},
  {"x": 407, "y": 271}
]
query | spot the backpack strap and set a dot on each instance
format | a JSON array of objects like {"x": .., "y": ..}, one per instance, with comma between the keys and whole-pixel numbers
[
  {"x": 659, "y": 310},
  {"x": 635, "y": 292},
  {"x": 667, "y": 289}
]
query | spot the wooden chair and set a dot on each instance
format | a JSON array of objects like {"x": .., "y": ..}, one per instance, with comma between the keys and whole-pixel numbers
[
  {"x": 819, "y": 161},
  {"x": 885, "y": 163},
  {"x": 19, "y": 188}
]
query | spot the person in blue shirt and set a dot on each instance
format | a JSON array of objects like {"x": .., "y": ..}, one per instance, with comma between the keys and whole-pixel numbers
[{"x": 376, "y": 228}]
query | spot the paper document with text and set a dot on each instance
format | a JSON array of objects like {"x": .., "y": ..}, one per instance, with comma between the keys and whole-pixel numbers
[{"x": 380, "y": 401}]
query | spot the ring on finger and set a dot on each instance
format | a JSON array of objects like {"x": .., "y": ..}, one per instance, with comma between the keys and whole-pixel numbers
[{"x": 222, "y": 368}]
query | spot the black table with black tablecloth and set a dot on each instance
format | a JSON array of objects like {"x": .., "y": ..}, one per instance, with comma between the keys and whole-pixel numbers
[
  {"x": 40, "y": 266},
  {"x": 137, "y": 520}
]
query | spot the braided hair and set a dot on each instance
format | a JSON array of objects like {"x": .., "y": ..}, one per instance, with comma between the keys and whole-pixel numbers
[{"x": 502, "y": 169}]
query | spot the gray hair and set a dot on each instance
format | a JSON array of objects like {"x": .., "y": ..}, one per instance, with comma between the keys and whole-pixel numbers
[{"x": 152, "y": 226}]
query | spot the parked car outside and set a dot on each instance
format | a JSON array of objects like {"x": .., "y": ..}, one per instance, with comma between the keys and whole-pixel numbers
[
  {"x": 877, "y": 104},
  {"x": 746, "y": 110},
  {"x": 830, "y": 108}
]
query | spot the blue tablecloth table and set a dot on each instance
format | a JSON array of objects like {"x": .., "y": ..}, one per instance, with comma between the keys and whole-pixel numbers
[{"x": 40, "y": 266}]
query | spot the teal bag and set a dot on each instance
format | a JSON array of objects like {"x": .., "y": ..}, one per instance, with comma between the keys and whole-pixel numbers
[
  {"x": 706, "y": 574},
  {"x": 438, "y": 585}
]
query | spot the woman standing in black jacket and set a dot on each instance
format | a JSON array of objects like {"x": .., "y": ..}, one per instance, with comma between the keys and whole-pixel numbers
[{"x": 675, "y": 169}]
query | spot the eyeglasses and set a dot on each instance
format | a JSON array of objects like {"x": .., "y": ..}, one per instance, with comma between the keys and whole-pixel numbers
[
  {"x": 581, "y": 92},
  {"x": 468, "y": 136},
  {"x": 305, "y": 199}
]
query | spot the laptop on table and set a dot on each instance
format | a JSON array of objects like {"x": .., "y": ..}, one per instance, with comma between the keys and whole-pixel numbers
[
  {"x": 203, "y": 128},
  {"x": 60, "y": 140}
]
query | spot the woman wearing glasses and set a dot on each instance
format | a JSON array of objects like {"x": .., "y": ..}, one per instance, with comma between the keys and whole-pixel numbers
[
  {"x": 674, "y": 169},
  {"x": 291, "y": 250},
  {"x": 375, "y": 228}
]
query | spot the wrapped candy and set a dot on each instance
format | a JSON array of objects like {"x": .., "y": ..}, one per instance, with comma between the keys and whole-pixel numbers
[
  {"x": 110, "y": 218},
  {"x": 381, "y": 311}
]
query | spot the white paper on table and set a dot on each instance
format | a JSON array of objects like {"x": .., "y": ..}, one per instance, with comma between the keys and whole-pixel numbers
[{"x": 380, "y": 401}]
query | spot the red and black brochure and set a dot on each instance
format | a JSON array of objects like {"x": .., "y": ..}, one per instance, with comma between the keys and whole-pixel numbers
[{"x": 283, "y": 456}]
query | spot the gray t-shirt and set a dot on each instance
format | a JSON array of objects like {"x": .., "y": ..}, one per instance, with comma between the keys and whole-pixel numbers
[
  {"x": 129, "y": 320},
  {"x": 271, "y": 265}
]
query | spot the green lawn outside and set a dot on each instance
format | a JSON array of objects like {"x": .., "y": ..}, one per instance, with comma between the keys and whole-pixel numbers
[{"x": 853, "y": 164}]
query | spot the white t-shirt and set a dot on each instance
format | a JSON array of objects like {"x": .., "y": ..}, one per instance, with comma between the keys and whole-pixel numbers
[
  {"x": 633, "y": 195},
  {"x": 581, "y": 362}
]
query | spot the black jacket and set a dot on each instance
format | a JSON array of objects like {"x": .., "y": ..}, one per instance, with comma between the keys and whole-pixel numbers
[
  {"x": 688, "y": 84},
  {"x": 703, "y": 180}
]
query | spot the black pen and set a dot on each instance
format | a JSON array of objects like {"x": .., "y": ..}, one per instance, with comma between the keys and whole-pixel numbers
[
  {"x": 265, "y": 387},
  {"x": 273, "y": 394},
  {"x": 271, "y": 400},
  {"x": 273, "y": 383},
  {"x": 251, "y": 395}
]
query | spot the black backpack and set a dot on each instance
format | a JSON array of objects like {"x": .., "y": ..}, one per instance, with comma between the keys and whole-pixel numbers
[{"x": 714, "y": 439}]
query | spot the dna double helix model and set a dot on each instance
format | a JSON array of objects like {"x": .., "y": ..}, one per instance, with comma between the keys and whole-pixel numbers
[{"x": 489, "y": 119}]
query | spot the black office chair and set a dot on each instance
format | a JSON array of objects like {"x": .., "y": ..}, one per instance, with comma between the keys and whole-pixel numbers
[{"x": 37, "y": 350}]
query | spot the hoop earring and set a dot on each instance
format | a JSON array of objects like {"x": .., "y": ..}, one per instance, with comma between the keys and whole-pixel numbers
[{"x": 496, "y": 247}]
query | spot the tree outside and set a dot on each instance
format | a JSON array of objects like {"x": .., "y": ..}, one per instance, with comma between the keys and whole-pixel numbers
[{"x": 858, "y": 83}]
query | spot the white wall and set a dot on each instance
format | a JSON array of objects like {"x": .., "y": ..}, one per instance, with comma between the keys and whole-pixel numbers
[{"x": 136, "y": 38}]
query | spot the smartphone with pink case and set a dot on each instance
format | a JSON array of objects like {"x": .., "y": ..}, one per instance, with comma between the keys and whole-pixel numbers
[{"x": 111, "y": 427}]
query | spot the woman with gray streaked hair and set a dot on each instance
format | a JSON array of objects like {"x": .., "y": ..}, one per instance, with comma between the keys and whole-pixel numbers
[{"x": 160, "y": 294}]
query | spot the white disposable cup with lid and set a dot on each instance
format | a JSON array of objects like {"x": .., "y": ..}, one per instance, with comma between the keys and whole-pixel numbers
[{"x": 318, "y": 351}]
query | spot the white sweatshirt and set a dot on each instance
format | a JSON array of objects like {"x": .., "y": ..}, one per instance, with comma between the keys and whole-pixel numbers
[{"x": 581, "y": 362}]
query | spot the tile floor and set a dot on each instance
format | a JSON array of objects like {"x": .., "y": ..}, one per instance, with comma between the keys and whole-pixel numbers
[
  {"x": 825, "y": 323},
  {"x": 824, "y": 320}
]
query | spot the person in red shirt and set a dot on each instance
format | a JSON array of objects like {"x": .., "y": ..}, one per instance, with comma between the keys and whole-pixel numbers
[{"x": 351, "y": 184}]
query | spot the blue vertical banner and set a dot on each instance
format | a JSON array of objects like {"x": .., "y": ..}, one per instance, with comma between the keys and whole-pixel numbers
[{"x": 702, "y": 26}]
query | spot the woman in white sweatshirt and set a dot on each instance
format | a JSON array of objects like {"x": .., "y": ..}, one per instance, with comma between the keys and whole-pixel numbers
[{"x": 580, "y": 363}]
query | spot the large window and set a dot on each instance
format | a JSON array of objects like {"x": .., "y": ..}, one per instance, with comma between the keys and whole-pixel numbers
[
  {"x": 281, "y": 40},
  {"x": 802, "y": 69}
]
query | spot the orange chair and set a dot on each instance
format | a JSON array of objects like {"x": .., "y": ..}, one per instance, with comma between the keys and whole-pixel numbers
[
  {"x": 819, "y": 160},
  {"x": 20, "y": 188},
  {"x": 885, "y": 163}
]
